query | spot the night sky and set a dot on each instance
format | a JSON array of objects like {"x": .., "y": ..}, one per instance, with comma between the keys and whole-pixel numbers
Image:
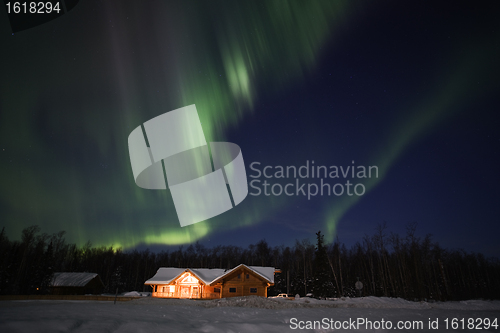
[{"x": 410, "y": 87}]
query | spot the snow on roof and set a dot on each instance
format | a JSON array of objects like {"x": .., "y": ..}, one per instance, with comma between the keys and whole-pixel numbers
[
  {"x": 166, "y": 275},
  {"x": 208, "y": 275},
  {"x": 265, "y": 272},
  {"x": 72, "y": 279}
]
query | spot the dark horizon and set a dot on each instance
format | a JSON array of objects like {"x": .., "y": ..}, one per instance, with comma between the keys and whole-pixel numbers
[{"x": 387, "y": 265}]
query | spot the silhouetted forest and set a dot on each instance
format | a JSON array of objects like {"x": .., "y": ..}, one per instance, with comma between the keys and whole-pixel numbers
[{"x": 387, "y": 264}]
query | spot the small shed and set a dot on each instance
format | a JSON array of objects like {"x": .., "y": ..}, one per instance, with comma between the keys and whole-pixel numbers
[{"x": 76, "y": 284}]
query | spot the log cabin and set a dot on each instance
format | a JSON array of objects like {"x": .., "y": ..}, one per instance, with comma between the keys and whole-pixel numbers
[
  {"x": 204, "y": 283},
  {"x": 76, "y": 284}
]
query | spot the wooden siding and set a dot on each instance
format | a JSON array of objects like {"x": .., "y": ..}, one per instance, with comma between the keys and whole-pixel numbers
[{"x": 243, "y": 280}]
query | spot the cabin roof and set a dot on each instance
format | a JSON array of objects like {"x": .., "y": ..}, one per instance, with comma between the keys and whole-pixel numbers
[
  {"x": 266, "y": 273},
  {"x": 72, "y": 279},
  {"x": 169, "y": 274},
  {"x": 207, "y": 275},
  {"x": 166, "y": 275}
]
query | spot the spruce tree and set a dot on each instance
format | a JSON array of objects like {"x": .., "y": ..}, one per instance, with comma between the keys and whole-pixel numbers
[{"x": 322, "y": 284}]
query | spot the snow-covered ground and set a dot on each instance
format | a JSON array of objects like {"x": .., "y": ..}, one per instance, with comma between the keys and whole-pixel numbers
[{"x": 243, "y": 314}]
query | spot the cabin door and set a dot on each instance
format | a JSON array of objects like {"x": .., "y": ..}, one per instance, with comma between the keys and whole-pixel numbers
[
  {"x": 185, "y": 292},
  {"x": 195, "y": 293}
]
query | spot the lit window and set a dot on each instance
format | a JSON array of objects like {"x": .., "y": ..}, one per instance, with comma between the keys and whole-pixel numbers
[
  {"x": 232, "y": 290},
  {"x": 172, "y": 289},
  {"x": 253, "y": 290}
]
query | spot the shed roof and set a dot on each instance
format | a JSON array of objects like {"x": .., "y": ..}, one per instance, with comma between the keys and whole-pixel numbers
[{"x": 72, "y": 279}]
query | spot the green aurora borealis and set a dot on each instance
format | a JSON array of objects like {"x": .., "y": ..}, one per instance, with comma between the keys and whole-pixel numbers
[
  {"x": 73, "y": 89},
  {"x": 455, "y": 88}
]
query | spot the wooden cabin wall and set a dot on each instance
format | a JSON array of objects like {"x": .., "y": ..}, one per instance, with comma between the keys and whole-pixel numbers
[{"x": 243, "y": 284}]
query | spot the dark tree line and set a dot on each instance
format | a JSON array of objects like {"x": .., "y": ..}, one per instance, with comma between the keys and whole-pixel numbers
[{"x": 387, "y": 264}]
